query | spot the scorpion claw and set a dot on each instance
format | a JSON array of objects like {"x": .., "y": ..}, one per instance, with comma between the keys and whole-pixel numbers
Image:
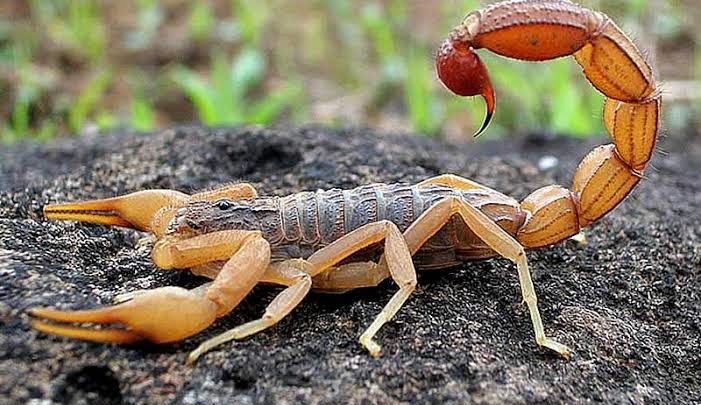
[
  {"x": 136, "y": 210},
  {"x": 117, "y": 336},
  {"x": 161, "y": 315}
]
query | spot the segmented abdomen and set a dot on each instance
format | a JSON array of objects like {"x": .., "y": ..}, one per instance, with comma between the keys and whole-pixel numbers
[{"x": 312, "y": 220}]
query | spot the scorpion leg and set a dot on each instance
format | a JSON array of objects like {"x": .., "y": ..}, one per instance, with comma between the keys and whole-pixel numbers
[
  {"x": 171, "y": 314},
  {"x": 496, "y": 238},
  {"x": 292, "y": 273},
  {"x": 295, "y": 274},
  {"x": 453, "y": 181},
  {"x": 350, "y": 276},
  {"x": 398, "y": 260}
]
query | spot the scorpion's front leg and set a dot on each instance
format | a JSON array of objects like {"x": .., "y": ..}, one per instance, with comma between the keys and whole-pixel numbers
[
  {"x": 295, "y": 275},
  {"x": 171, "y": 314}
]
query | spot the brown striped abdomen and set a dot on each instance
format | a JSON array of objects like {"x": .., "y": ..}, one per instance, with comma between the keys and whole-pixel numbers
[{"x": 311, "y": 220}]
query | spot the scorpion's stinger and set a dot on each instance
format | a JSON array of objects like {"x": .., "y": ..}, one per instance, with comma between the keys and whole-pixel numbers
[
  {"x": 135, "y": 210},
  {"x": 462, "y": 72},
  {"x": 490, "y": 101}
]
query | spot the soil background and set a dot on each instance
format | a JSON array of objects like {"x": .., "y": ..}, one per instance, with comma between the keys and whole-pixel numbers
[{"x": 627, "y": 302}]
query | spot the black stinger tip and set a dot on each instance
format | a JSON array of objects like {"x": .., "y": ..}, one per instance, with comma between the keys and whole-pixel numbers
[{"x": 485, "y": 124}]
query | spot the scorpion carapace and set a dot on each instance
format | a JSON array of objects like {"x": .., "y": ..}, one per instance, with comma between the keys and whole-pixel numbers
[{"x": 338, "y": 240}]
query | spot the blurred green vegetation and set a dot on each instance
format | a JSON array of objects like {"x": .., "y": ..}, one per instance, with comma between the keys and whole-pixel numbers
[{"x": 72, "y": 66}]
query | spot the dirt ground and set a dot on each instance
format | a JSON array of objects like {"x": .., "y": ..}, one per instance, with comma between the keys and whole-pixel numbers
[{"x": 628, "y": 302}]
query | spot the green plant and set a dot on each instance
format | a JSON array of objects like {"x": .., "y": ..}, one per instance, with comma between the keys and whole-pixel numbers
[
  {"x": 382, "y": 38},
  {"x": 30, "y": 85},
  {"x": 143, "y": 116},
  {"x": 426, "y": 110},
  {"x": 376, "y": 53},
  {"x": 252, "y": 17},
  {"x": 225, "y": 99},
  {"x": 26, "y": 94},
  {"x": 87, "y": 100},
  {"x": 404, "y": 67},
  {"x": 75, "y": 25},
  {"x": 201, "y": 21}
]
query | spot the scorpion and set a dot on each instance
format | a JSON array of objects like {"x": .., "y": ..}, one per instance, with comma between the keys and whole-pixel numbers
[{"x": 338, "y": 240}]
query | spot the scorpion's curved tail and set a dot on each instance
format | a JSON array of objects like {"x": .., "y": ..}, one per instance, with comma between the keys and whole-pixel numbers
[{"x": 542, "y": 30}]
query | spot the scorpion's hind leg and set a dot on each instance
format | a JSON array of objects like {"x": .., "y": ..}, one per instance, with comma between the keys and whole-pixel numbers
[
  {"x": 171, "y": 314},
  {"x": 496, "y": 238},
  {"x": 296, "y": 275}
]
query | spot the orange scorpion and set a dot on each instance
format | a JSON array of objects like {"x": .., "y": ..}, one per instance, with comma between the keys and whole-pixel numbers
[{"x": 339, "y": 240}]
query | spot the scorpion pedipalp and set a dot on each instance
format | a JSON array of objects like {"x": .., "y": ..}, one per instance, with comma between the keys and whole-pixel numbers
[
  {"x": 162, "y": 315},
  {"x": 136, "y": 210}
]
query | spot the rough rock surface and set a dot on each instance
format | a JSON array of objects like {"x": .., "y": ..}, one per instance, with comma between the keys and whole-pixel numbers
[{"x": 628, "y": 302}]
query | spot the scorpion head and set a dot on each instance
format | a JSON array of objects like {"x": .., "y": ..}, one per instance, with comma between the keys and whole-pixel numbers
[{"x": 200, "y": 217}]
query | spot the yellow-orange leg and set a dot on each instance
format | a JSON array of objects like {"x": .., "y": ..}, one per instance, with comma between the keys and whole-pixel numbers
[
  {"x": 297, "y": 275},
  {"x": 171, "y": 314},
  {"x": 453, "y": 181},
  {"x": 398, "y": 260},
  {"x": 292, "y": 273},
  {"x": 433, "y": 219},
  {"x": 350, "y": 276}
]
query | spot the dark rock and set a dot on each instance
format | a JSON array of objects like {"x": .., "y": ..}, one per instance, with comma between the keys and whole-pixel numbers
[{"x": 628, "y": 302}]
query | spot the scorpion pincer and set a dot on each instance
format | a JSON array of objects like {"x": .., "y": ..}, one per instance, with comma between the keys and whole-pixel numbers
[{"x": 339, "y": 240}]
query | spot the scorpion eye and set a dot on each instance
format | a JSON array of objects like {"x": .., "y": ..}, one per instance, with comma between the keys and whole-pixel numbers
[{"x": 224, "y": 204}]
